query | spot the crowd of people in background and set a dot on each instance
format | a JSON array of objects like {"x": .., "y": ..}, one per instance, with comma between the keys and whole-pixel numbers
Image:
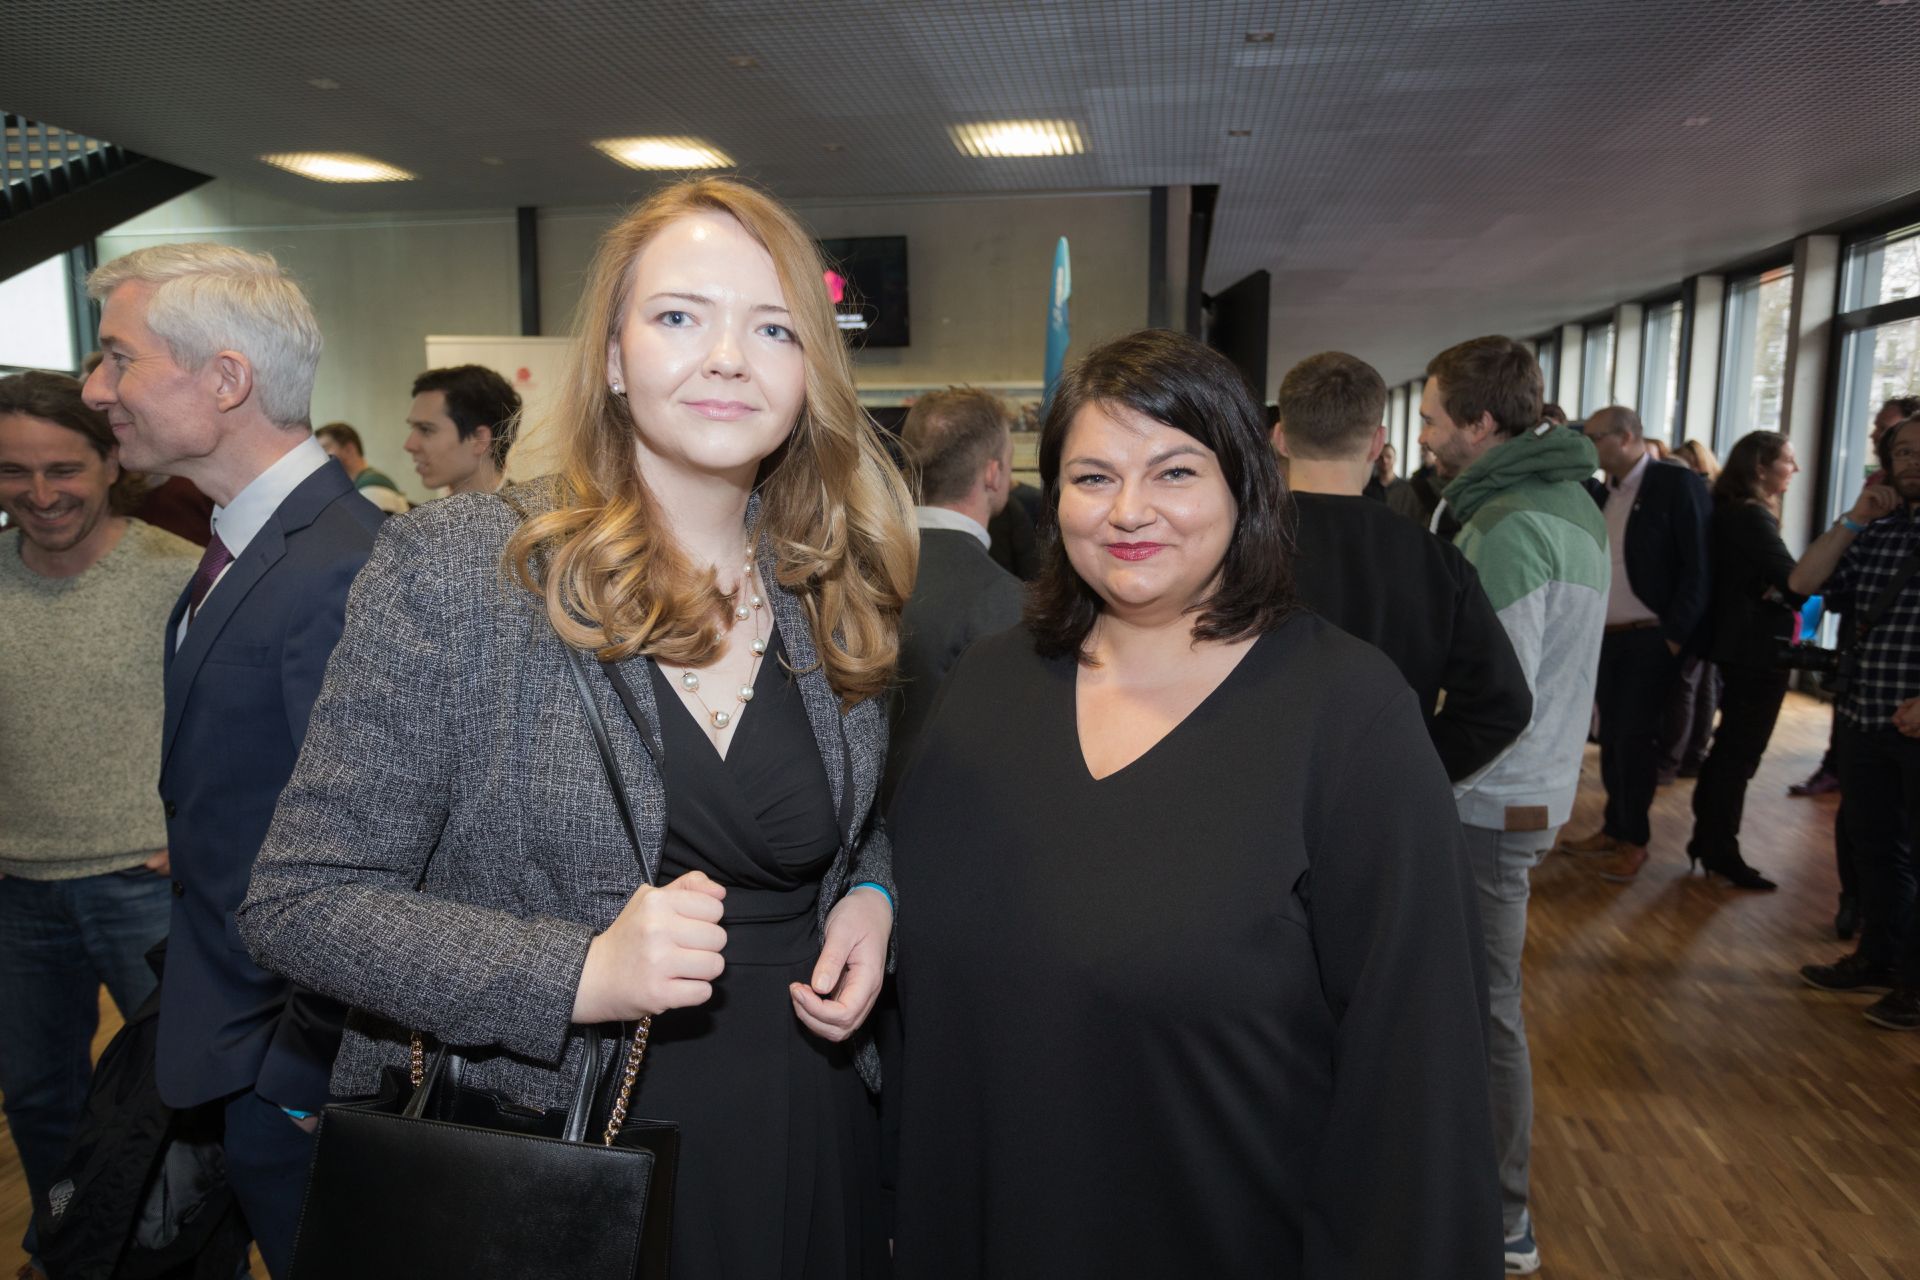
[{"x": 329, "y": 748}]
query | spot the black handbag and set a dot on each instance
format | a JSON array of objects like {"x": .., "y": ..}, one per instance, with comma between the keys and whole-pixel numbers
[{"x": 432, "y": 1178}]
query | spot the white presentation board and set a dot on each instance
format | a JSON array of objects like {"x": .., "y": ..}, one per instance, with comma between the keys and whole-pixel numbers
[{"x": 535, "y": 367}]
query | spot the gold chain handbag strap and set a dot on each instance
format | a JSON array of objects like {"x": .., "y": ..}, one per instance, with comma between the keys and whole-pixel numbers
[{"x": 629, "y": 1074}]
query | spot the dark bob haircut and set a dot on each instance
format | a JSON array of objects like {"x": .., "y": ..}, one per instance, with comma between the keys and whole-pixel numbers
[{"x": 1172, "y": 379}]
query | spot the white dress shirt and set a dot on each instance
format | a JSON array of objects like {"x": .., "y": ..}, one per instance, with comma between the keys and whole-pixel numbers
[
  {"x": 240, "y": 521},
  {"x": 947, "y": 518},
  {"x": 1622, "y": 605}
]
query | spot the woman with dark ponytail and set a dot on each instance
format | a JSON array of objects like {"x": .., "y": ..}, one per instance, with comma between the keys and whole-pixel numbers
[{"x": 1754, "y": 613}]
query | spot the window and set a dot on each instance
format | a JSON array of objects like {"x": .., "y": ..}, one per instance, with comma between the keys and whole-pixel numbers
[
  {"x": 1753, "y": 361},
  {"x": 1596, "y": 369},
  {"x": 1547, "y": 352},
  {"x": 1660, "y": 371},
  {"x": 1878, "y": 362},
  {"x": 1883, "y": 269},
  {"x": 36, "y": 319},
  {"x": 1397, "y": 427}
]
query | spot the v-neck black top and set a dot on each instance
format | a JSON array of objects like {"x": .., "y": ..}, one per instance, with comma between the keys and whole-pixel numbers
[
  {"x": 1219, "y": 1013},
  {"x": 778, "y": 1171}
]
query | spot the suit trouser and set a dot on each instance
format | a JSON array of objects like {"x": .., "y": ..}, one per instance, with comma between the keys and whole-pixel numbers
[
  {"x": 267, "y": 1158},
  {"x": 1749, "y": 708},
  {"x": 1696, "y": 695},
  {"x": 1503, "y": 863},
  {"x": 1637, "y": 673},
  {"x": 1880, "y": 778}
]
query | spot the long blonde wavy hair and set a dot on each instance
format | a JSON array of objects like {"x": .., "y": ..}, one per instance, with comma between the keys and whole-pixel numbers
[{"x": 832, "y": 504}]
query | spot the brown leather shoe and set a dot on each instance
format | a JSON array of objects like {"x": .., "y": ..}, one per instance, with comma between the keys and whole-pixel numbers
[
  {"x": 1625, "y": 863},
  {"x": 1590, "y": 846}
]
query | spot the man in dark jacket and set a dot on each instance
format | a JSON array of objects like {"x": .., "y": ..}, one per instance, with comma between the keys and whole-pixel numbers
[
  {"x": 221, "y": 397},
  {"x": 959, "y": 451},
  {"x": 1657, "y": 514},
  {"x": 1380, "y": 577}
]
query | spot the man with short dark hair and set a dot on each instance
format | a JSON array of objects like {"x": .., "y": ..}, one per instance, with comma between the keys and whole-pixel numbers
[
  {"x": 1383, "y": 579},
  {"x": 342, "y": 443},
  {"x": 960, "y": 453},
  {"x": 83, "y": 842},
  {"x": 1540, "y": 547},
  {"x": 1865, "y": 565},
  {"x": 460, "y": 426},
  {"x": 1657, "y": 512}
]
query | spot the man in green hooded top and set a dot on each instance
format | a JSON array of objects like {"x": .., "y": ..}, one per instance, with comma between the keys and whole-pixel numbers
[{"x": 1539, "y": 545}]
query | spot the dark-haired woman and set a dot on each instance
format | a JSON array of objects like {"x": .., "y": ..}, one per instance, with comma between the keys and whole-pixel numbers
[
  {"x": 1754, "y": 613},
  {"x": 1194, "y": 988}
]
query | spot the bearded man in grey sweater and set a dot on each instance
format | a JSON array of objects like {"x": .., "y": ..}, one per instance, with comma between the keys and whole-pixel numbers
[{"x": 84, "y": 888}]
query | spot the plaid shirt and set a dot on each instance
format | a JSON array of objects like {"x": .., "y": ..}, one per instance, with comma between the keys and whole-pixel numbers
[{"x": 1888, "y": 672}]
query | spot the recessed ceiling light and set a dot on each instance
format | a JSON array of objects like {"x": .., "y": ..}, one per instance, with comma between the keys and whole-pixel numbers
[
  {"x": 663, "y": 153},
  {"x": 495, "y": 161},
  {"x": 1694, "y": 122},
  {"x": 1239, "y": 133},
  {"x": 337, "y": 166},
  {"x": 1259, "y": 37},
  {"x": 321, "y": 82},
  {"x": 1019, "y": 138},
  {"x": 742, "y": 61},
  {"x": 834, "y": 148}
]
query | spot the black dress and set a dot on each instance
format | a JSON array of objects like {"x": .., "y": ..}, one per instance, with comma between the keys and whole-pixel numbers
[
  {"x": 1218, "y": 1014},
  {"x": 779, "y": 1144}
]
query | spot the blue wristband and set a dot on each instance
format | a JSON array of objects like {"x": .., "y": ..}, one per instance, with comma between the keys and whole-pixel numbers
[
  {"x": 298, "y": 1115},
  {"x": 1853, "y": 526},
  {"x": 880, "y": 888}
]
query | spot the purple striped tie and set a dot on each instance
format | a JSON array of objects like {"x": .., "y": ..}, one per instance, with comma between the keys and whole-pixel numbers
[{"x": 216, "y": 559}]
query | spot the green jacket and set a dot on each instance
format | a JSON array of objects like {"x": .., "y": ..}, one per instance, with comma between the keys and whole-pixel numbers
[{"x": 1539, "y": 543}]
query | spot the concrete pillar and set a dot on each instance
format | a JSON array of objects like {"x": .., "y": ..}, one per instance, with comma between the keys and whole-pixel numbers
[
  {"x": 1816, "y": 290},
  {"x": 1629, "y": 318},
  {"x": 1701, "y": 363},
  {"x": 1572, "y": 361}
]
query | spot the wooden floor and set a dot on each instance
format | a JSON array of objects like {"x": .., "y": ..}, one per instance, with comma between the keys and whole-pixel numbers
[{"x": 1699, "y": 1112}]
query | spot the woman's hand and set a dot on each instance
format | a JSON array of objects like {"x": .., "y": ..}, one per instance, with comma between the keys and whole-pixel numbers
[
  {"x": 662, "y": 952},
  {"x": 846, "y": 978}
]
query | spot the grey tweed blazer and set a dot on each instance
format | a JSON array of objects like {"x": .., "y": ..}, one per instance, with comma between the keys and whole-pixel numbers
[{"x": 448, "y": 843}]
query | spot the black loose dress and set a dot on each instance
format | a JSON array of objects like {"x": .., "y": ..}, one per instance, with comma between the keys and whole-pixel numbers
[
  {"x": 1218, "y": 1014},
  {"x": 779, "y": 1173}
]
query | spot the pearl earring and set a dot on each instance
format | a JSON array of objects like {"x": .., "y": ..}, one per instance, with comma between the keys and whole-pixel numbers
[{"x": 618, "y": 389}]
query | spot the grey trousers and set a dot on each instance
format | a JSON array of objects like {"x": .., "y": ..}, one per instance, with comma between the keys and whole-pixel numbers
[{"x": 1503, "y": 863}]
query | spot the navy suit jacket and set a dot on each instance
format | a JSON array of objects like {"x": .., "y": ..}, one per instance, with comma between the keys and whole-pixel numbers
[
  {"x": 238, "y": 694},
  {"x": 1666, "y": 548}
]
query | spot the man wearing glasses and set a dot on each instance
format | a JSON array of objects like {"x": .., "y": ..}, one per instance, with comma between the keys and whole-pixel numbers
[{"x": 1868, "y": 565}]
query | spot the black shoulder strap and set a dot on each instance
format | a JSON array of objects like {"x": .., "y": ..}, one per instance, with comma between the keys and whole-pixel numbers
[
  {"x": 1888, "y": 594},
  {"x": 578, "y": 667}
]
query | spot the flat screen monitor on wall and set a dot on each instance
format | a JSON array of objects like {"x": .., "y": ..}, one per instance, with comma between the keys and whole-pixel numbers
[{"x": 867, "y": 280}]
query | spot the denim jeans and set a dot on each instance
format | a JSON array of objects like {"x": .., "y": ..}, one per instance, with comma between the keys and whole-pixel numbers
[
  {"x": 59, "y": 941},
  {"x": 1503, "y": 863}
]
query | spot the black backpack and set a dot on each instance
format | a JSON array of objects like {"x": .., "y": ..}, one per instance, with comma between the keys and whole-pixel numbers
[{"x": 143, "y": 1194}]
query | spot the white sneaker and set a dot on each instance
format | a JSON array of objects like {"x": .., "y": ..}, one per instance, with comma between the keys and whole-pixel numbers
[{"x": 1523, "y": 1255}]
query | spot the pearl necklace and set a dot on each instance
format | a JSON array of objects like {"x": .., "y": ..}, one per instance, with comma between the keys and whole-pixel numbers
[{"x": 755, "y": 605}]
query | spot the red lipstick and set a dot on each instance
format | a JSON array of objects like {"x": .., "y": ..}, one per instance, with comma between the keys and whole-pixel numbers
[{"x": 1134, "y": 550}]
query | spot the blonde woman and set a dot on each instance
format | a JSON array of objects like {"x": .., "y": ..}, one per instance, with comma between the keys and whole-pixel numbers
[
  {"x": 729, "y": 539},
  {"x": 1700, "y": 458}
]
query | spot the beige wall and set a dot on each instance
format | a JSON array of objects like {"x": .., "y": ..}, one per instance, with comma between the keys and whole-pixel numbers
[
  {"x": 978, "y": 274},
  {"x": 977, "y": 271},
  {"x": 379, "y": 285}
]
